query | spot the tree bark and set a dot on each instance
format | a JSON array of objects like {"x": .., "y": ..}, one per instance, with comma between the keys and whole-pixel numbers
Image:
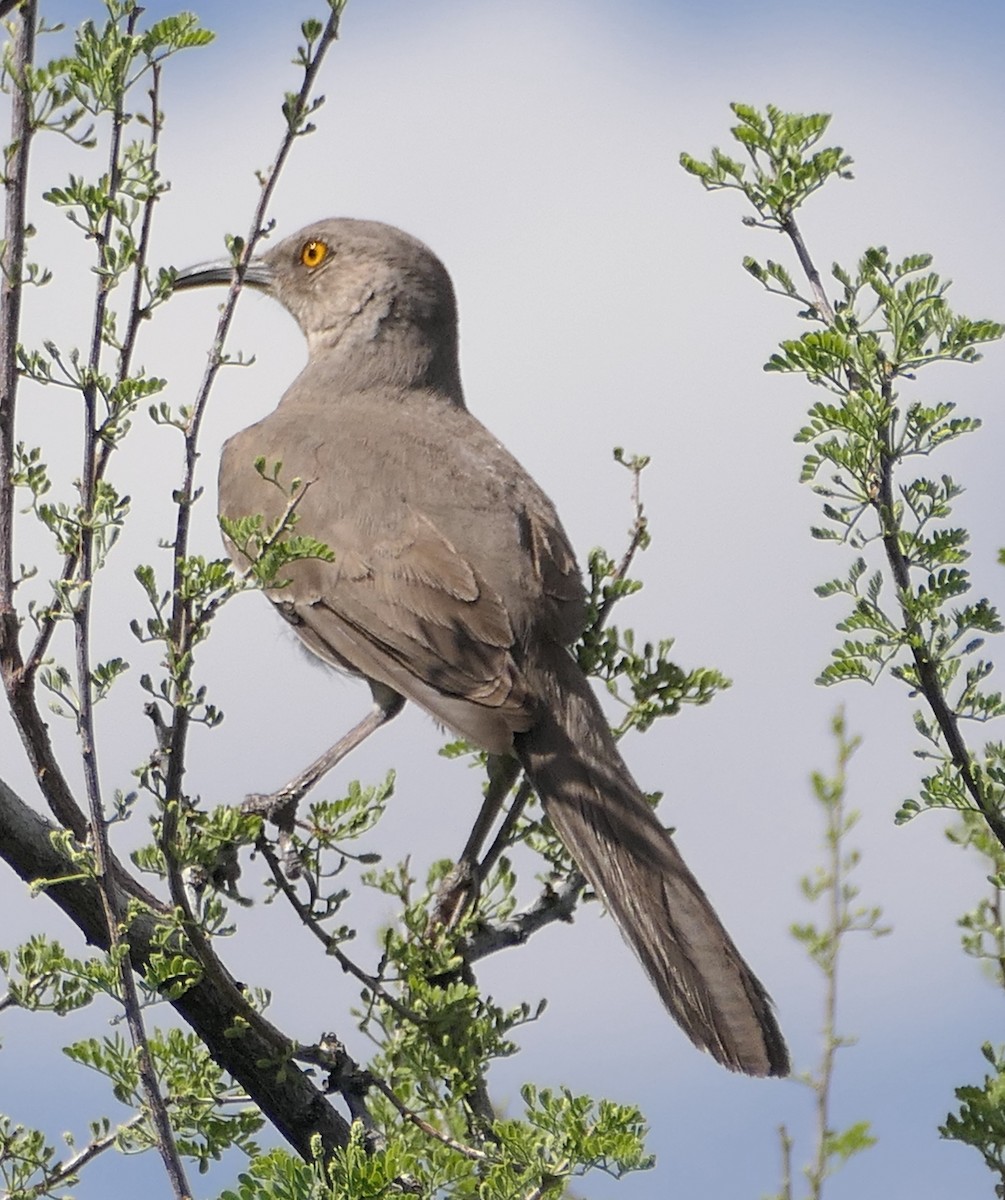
[{"x": 259, "y": 1059}]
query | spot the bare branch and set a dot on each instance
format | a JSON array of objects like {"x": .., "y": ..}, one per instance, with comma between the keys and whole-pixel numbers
[
  {"x": 550, "y": 906},
  {"x": 820, "y": 299}
]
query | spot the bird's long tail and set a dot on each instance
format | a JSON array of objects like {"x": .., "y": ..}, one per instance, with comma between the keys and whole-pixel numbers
[{"x": 632, "y": 863}]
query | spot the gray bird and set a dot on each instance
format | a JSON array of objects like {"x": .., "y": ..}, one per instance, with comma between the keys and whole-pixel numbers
[{"x": 453, "y": 584}]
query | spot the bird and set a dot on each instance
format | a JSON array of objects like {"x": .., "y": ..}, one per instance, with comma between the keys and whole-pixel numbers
[{"x": 450, "y": 582}]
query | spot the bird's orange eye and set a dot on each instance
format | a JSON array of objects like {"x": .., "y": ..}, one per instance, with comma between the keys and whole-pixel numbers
[{"x": 313, "y": 253}]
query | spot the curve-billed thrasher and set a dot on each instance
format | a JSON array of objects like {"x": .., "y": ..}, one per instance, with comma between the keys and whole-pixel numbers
[{"x": 454, "y": 585}]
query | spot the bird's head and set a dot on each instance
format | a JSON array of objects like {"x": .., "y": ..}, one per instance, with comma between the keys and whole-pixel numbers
[{"x": 366, "y": 296}]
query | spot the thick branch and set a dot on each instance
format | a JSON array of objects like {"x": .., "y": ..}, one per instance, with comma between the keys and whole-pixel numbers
[{"x": 258, "y": 1059}]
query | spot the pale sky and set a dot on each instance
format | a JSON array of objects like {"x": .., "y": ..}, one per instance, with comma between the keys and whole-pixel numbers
[{"x": 534, "y": 147}]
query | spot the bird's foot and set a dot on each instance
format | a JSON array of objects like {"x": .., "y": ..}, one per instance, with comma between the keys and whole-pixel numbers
[
  {"x": 456, "y": 894},
  {"x": 278, "y": 807},
  {"x": 281, "y": 809}
]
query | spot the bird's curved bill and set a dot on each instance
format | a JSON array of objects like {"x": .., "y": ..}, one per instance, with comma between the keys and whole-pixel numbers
[{"x": 257, "y": 275}]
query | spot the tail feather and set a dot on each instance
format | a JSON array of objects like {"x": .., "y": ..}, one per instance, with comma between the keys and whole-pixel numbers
[{"x": 632, "y": 863}]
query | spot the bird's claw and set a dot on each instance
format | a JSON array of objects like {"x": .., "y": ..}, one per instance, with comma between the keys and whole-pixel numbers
[
  {"x": 455, "y": 895},
  {"x": 281, "y": 809}
]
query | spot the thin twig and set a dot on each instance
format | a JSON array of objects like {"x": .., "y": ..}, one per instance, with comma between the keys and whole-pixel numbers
[
  {"x": 469, "y": 1152},
  {"x": 371, "y": 982},
  {"x": 17, "y": 682},
  {"x": 181, "y": 618},
  {"x": 837, "y": 926},
  {"x": 15, "y": 171},
  {"x": 884, "y": 504},
  {"x": 639, "y": 530},
  {"x": 928, "y": 676},
  {"x": 181, "y": 622},
  {"x": 159, "y": 1118},
  {"x": 786, "y": 1142},
  {"x": 136, "y": 311},
  {"x": 350, "y": 1080},
  {"x": 136, "y": 316},
  {"x": 999, "y": 927},
  {"x": 821, "y": 300},
  {"x": 477, "y": 1099},
  {"x": 66, "y": 1171}
]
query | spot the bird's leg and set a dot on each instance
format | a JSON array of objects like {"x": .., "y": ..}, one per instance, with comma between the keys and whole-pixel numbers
[
  {"x": 280, "y": 806},
  {"x": 461, "y": 885},
  {"x": 502, "y": 837}
]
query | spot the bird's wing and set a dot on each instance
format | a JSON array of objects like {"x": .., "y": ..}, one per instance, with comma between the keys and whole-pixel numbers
[
  {"x": 412, "y": 613},
  {"x": 401, "y": 601},
  {"x": 417, "y": 599}
]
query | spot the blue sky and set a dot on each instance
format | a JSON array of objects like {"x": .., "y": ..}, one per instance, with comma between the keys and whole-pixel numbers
[{"x": 534, "y": 147}]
